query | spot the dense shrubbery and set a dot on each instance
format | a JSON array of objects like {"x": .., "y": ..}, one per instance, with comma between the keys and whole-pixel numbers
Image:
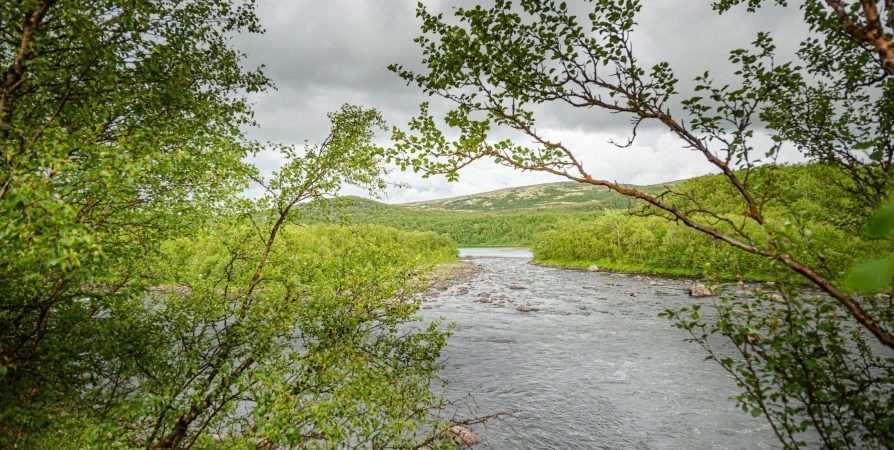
[
  {"x": 802, "y": 196},
  {"x": 476, "y": 229},
  {"x": 312, "y": 357},
  {"x": 144, "y": 303}
]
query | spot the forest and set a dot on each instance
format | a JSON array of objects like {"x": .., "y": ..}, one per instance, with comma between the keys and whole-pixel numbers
[
  {"x": 824, "y": 228},
  {"x": 627, "y": 237},
  {"x": 171, "y": 280},
  {"x": 147, "y": 302},
  {"x": 510, "y": 228}
]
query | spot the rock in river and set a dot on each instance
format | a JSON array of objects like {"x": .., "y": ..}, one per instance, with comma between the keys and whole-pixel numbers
[
  {"x": 527, "y": 308},
  {"x": 463, "y": 437},
  {"x": 515, "y": 286},
  {"x": 700, "y": 290},
  {"x": 593, "y": 268}
]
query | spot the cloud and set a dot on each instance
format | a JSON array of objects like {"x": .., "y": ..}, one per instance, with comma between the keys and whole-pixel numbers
[
  {"x": 655, "y": 157},
  {"x": 324, "y": 54}
]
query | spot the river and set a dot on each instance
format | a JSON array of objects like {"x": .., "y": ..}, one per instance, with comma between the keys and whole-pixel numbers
[{"x": 594, "y": 368}]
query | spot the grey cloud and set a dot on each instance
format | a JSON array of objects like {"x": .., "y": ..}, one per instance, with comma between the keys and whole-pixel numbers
[{"x": 321, "y": 54}]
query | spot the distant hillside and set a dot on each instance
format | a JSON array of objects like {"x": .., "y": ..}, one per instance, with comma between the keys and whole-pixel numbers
[
  {"x": 507, "y": 227},
  {"x": 508, "y": 217},
  {"x": 552, "y": 197}
]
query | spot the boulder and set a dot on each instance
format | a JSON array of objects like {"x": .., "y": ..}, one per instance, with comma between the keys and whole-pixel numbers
[
  {"x": 463, "y": 437},
  {"x": 527, "y": 308},
  {"x": 700, "y": 290},
  {"x": 593, "y": 268}
]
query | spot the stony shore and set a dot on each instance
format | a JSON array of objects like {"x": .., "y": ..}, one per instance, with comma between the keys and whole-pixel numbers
[{"x": 446, "y": 275}]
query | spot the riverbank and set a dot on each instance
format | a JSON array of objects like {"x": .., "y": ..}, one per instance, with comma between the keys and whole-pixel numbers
[
  {"x": 445, "y": 275},
  {"x": 608, "y": 266}
]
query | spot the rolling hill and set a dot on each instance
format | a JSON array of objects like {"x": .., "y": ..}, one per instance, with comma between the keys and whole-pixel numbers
[
  {"x": 552, "y": 197},
  {"x": 506, "y": 217}
]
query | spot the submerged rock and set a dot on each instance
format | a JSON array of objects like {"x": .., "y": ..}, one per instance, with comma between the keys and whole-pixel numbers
[
  {"x": 462, "y": 291},
  {"x": 464, "y": 437},
  {"x": 700, "y": 290}
]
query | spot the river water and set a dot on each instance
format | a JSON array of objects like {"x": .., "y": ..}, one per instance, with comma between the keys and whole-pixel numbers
[{"x": 594, "y": 368}]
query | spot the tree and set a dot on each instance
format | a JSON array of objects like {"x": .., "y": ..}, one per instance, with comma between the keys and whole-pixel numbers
[
  {"x": 495, "y": 65},
  {"x": 291, "y": 338},
  {"x": 145, "y": 304},
  {"x": 119, "y": 128}
]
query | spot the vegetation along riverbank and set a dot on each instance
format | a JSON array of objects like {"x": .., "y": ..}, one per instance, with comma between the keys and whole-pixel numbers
[{"x": 179, "y": 268}]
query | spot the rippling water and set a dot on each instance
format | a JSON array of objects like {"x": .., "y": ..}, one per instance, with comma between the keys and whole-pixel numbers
[{"x": 594, "y": 369}]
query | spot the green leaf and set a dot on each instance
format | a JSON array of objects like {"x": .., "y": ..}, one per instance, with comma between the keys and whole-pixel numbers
[
  {"x": 882, "y": 223},
  {"x": 871, "y": 275}
]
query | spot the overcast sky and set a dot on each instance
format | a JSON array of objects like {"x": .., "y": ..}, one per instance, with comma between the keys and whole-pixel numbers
[{"x": 322, "y": 54}]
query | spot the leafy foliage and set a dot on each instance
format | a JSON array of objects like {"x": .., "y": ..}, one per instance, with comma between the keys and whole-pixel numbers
[
  {"x": 806, "y": 193},
  {"x": 495, "y": 66},
  {"x": 119, "y": 128},
  {"x": 145, "y": 304}
]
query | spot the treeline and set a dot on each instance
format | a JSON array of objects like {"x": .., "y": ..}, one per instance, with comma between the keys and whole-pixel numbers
[
  {"x": 805, "y": 203},
  {"x": 470, "y": 229}
]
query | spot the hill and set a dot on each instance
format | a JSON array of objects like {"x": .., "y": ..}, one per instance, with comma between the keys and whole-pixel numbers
[
  {"x": 508, "y": 227},
  {"x": 551, "y": 197},
  {"x": 507, "y": 217}
]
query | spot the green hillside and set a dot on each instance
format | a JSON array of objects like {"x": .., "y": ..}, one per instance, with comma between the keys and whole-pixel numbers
[
  {"x": 566, "y": 196},
  {"x": 503, "y": 228},
  {"x": 507, "y": 217}
]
